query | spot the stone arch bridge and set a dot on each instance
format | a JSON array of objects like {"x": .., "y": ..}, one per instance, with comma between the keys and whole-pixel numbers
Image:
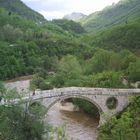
[{"x": 97, "y": 96}]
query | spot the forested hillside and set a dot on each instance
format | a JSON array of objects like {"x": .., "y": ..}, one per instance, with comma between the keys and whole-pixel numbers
[
  {"x": 60, "y": 53},
  {"x": 69, "y": 25},
  {"x": 113, "y": 15},
  {"x": 18, "y": 7},
  {"x": 28, "y": 48},
  {"x": 124, "y": 36},
  {"x": 25, "y": 45}
]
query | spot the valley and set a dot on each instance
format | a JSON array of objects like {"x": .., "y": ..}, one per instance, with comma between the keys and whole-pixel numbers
[{"x": 100, "y": 50}]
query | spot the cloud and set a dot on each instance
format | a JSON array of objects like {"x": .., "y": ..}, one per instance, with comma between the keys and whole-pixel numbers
[
  {"x": 52, "y": 15},
  {"x": 31, "y": 0},
  {"x": 58, "y": 8}
]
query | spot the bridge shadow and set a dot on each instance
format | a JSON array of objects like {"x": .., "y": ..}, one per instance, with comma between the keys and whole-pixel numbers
[
  {"x": 76, "y": 115},
  {"x": 82, "y": 105}
]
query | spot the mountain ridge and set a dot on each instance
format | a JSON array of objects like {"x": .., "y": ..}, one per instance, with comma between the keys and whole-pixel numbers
[
  {"x": 112, "y": 15},
  {"x": 75, "y": 16},
  {"x": 20, "y": 8}
]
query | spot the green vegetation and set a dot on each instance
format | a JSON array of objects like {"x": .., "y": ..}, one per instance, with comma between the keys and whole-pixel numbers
[
  {"x": 16, "y": 123},
  {"x": 60, "y": 53},
  {"x": 18, "y": 7},
  {"x": 69, "y": 25},
  {"x": 26, "y": 46},
  {"x": 104, "y": 69},
  {"x": 69, "y": 72},
  {"x": 25, "y": 123},
  {"x": 86, "y": 106},
  {"x": 134, "y": 71},
  {"x": 116, "y": 14},
  {"x": 125, "y": 36},
  {"x": 111, "y": 103},
  {"x": 126, "y": 127}
]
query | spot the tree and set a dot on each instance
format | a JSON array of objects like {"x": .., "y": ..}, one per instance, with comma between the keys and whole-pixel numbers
[
  {"x": 8, "y": 31},
  {"x": 134, "y": 71},
  {"x": 123, "y": 129},
  {"x": 103, "y": 60},
  {"x": 107, "y": 79},
  {"x": 126, "y": 126},
  {"x": 127, "y": 57},
  {"x": 35, "y": 82},
  {"x": 38, "y": 82},
  {"x": 68, "y": 69},
  {"x": 134, "y": 110},
  {"x": 16, "y": 123}
]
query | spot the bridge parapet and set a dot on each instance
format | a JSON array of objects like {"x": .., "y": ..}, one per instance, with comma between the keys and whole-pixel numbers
[
  {"x": 89, "y": 91},
  {"x": 58, "y": 92}
]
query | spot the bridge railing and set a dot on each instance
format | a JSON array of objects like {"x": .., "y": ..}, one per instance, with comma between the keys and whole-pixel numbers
[{"x": 74, "y": 91}]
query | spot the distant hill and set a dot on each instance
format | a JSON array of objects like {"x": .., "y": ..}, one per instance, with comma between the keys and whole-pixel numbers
[
  {"x": 18, "y": 7},
  {"x": 69, "y": 25},
  {"x": 112, "y": 15},
  {"x": 74, "y": 16}
]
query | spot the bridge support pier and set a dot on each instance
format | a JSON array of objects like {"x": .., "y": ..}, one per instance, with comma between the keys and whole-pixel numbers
[{"x": 104, "y": 117}]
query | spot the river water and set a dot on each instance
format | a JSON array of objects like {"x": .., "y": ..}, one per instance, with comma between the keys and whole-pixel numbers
[{"x": 79, "y": 125}]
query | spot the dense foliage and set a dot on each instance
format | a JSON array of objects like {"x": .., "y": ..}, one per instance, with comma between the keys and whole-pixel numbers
[
  {"x": 16, "y": 122},
  {"x": 18, "y": 125},
  {"x": 69, "y": 25},
  {"x": 126, "y": 127},
  {"x": 60, "y": 54},
  {"x": 125, "y": 36},
  {"x": 104, "y": 69},
  {"x": 25, "y": 121},
  {"x": 26, "y": 46}
]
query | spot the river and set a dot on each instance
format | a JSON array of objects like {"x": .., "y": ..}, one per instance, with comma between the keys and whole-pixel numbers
[{"x": 79, "y": 125}]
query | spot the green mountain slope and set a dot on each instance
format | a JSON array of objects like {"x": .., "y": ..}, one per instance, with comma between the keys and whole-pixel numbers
[
  {"x": 69, "y": 25},
  {"x": 18, "y": 7},
  {"x": 26, "y": 46},
  {"x": 112, "y": 15},
  {"x": 124, "y": 36}
]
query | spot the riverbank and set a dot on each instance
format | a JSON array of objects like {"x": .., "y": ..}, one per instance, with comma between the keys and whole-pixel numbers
[
  {"x": 21, "y": 84},
  {"x": 28, "y": 77}
]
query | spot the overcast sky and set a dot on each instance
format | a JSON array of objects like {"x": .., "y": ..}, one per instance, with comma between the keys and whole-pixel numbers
[{"x": 51, "y": 9}]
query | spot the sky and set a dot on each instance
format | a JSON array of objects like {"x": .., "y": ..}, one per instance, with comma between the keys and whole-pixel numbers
[{"x": 54, "y": 9}]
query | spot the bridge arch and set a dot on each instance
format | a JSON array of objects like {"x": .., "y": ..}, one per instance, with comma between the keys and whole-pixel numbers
[{"x": 100, "y": 111}]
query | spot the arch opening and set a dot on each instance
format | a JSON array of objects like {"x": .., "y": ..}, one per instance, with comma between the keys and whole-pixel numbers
[
  {"x": 85, "y": 106},
  {"x": 112, "y": 103},
  {"x": 96, "y": 110},
  {"x": 81, "y": 122}
]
